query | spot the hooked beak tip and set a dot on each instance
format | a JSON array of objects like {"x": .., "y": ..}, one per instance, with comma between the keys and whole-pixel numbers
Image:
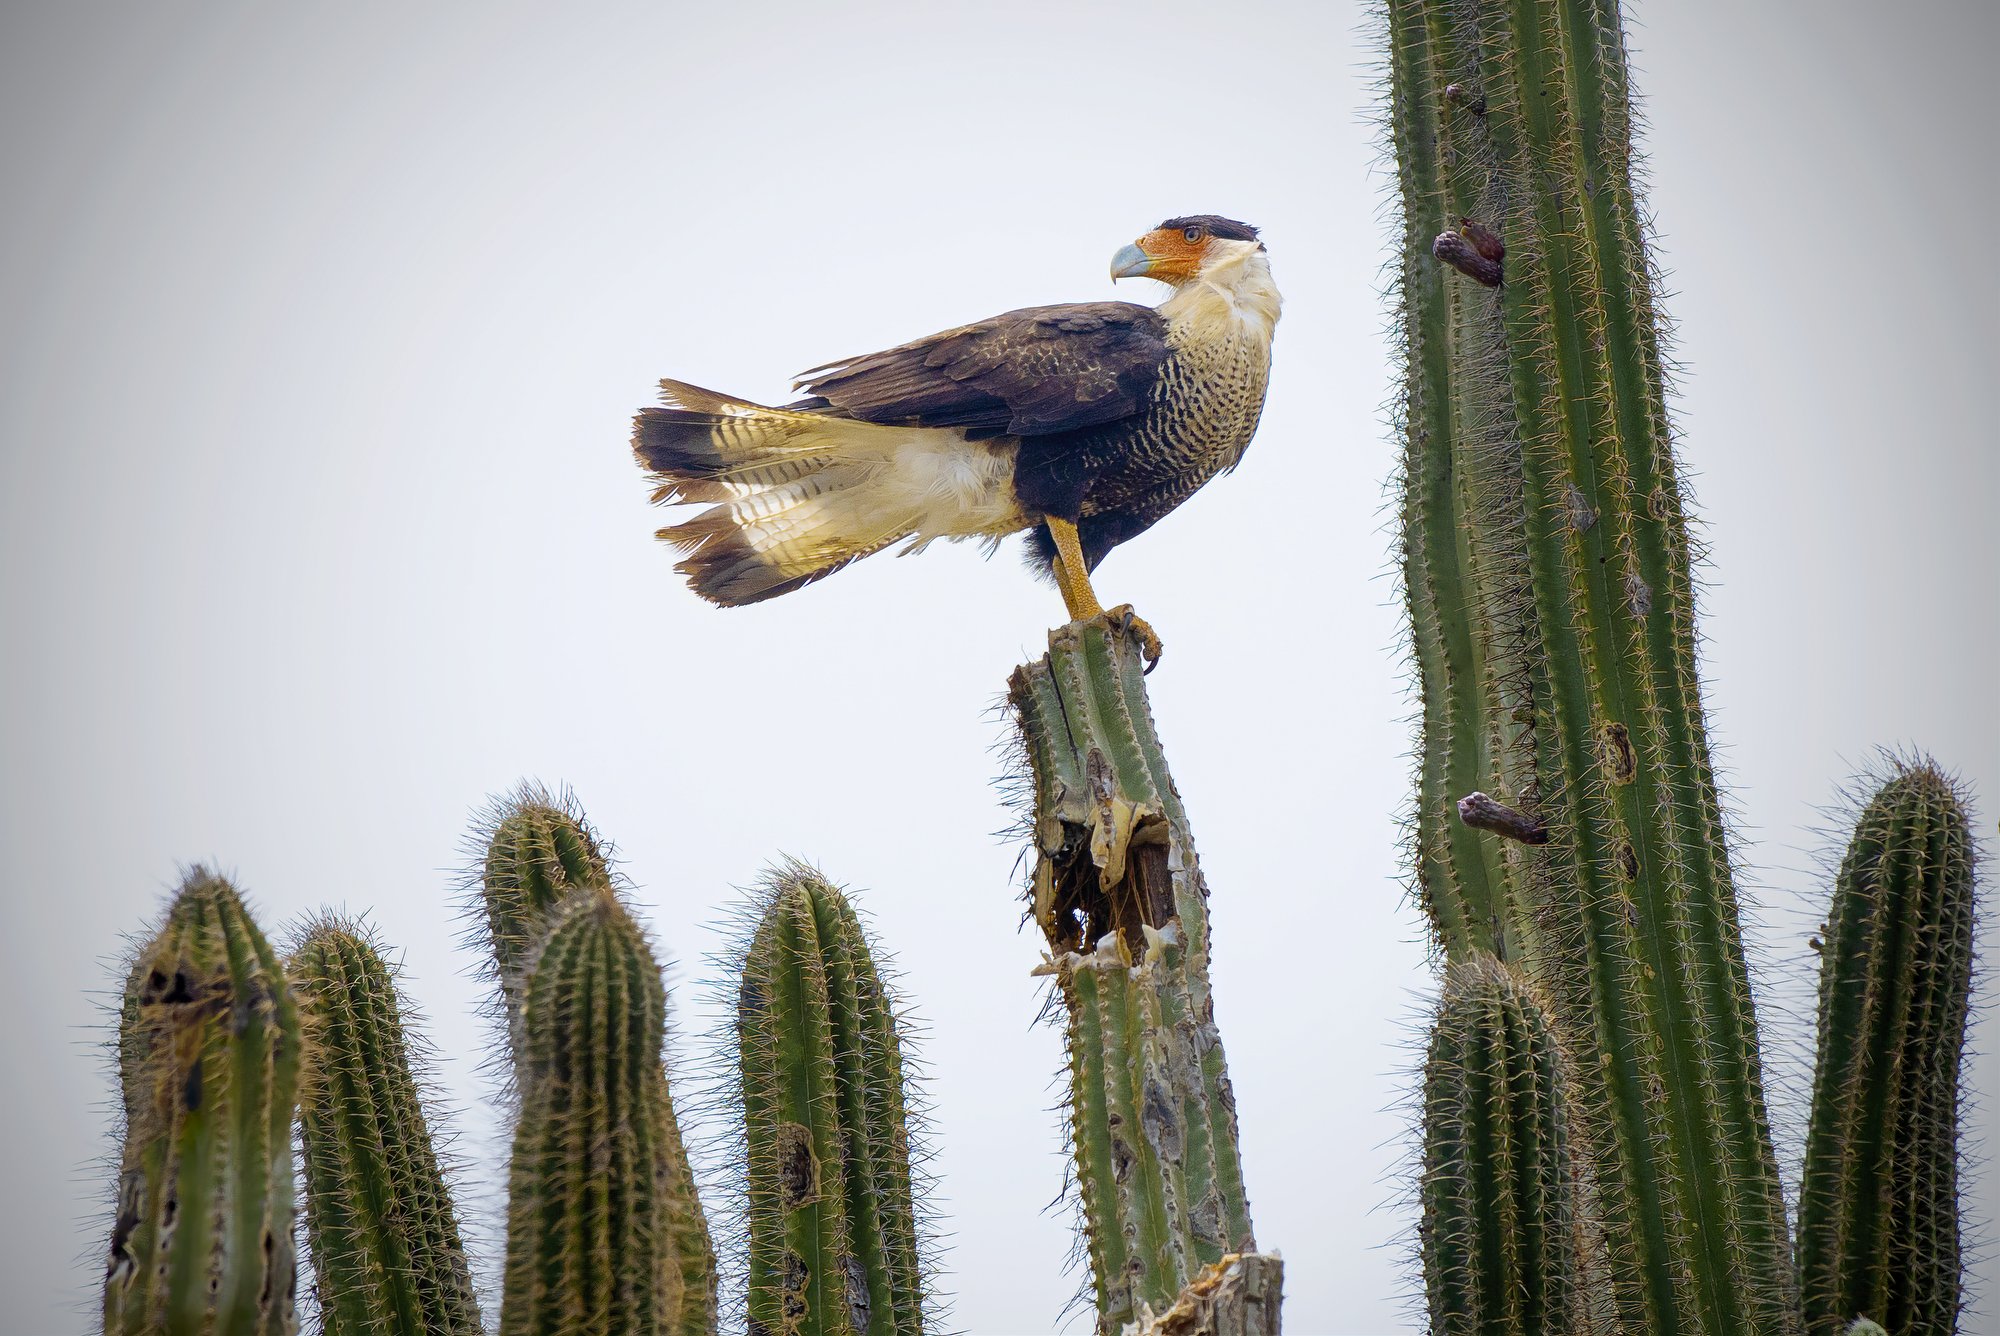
[{"x": 1131, "y": 262}]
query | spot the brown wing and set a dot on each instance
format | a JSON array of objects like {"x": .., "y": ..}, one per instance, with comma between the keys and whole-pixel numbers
[{"x": 1033, "y": 372}]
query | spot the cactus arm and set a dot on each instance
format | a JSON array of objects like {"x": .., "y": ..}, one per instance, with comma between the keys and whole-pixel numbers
[
  {"x": 1878, "y": 1200},
  {"x": 533, "y": 847},
  {"x": 1118, "y": 895},
  {"x": 387, "y": 1255},
  {"x": 209, "y": 1062}
]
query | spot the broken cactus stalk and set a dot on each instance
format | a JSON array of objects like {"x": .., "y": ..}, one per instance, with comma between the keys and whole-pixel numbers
[{"x": 1119, "y": 897}]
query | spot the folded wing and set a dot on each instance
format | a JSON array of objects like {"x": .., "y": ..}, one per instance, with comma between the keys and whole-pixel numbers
[{"x": 1033, "y": 372}]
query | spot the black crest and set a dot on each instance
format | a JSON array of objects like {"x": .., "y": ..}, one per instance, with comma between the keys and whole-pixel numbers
[{"x": 1215, "y": 225}]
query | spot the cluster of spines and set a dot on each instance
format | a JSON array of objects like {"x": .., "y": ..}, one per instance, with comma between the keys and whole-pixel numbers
[
  {"x": 603, "y": 1235},
  {"x": 380, "y": 1226},
  {"x": 208, "y": 1051},
  {"x": 1118, "y": 895},
  {"x": 1547, "y": 564},
  {"x": 1878, "y": 1211},
  {"x": 834, "y": 1240},
  {"x": 1504, "y": 1240}
]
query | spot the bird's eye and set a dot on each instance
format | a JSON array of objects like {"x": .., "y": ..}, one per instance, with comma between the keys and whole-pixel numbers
[{"x": 1191, "y": 234}]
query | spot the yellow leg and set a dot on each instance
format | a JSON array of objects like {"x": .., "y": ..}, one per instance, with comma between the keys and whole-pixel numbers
[{"x": 1073, "y": 578}]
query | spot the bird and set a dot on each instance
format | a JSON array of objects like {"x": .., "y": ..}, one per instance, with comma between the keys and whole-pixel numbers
[{"x": 1081, "y": 424}]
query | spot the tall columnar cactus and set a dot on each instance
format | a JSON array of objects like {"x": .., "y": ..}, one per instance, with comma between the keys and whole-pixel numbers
[
  {"x": 603, "y": 1237},
  {"x": 1505, "y": 1239},
  {"x": 834, "y": 1239},
  {"x": 382, "y": 1233},
  {"x": 1120, "y": 900},
  {"x": 1546, "y": 561},
  {"x": 1878, "y": 1201},
  {"x": 208, "y": 1054}
]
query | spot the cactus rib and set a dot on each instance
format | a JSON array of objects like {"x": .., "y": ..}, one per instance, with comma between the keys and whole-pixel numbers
[
  {"x": 209, "y": 1054},
  {"x": 1878, "y": 1228},
  {"x": 384, "y": 1239}
]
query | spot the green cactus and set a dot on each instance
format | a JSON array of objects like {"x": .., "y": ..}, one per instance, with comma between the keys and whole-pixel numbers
[
  {"x": 208, "y": 1052},
  {"x": 382, "y": 1234},
  {"x": 1120, "y": 900},
  {"x": 833, "y": 1231},
  {"x": 1505, "y": 1241},
  {"x": 533, "y": 848},
  {"x": 603, "y": 1237},
  {"x": 1878, "y": 1223},
  {"x": 1546, "y": 562}
]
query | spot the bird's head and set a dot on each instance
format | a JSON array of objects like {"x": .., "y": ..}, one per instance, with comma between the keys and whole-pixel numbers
[{"x": 1180, "y": 250}]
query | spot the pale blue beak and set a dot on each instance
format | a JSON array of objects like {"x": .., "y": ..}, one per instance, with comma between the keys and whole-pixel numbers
[{"x": 1130, "y": 263}]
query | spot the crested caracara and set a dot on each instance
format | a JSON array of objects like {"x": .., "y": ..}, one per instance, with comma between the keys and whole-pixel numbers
[{"x": 1084, "y": 424}]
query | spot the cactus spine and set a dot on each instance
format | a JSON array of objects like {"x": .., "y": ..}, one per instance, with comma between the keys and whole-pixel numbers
[
  {"x": 1121, "y": 902},
  {"x": 1878, "y": 1201},
  {"x": 209, "y": 1053},
  {"x": 603, "y": 1238},
  {"x": 387, "y": 1257},
  {"x": 833, "y": 1230},
  {"x": 1547, "y": 569},
  {"x": 535, "y": 849},
  {"x": 1503, "y": 1239}
]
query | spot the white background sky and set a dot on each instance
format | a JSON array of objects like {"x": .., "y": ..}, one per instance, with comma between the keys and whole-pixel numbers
[{"x": 323, "y": 327}]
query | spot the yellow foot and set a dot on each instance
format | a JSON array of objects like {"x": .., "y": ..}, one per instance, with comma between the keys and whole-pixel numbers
[{"x": 1149, "y": 639}]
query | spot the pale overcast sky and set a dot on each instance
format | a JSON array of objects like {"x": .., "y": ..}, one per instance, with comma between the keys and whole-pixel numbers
[{"x": 323, "y": 328}]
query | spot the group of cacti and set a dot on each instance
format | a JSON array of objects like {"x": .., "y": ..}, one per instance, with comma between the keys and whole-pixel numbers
[
  {"x": 223, "y": 1048},
  {"x": 1596, "y": 1150},
  {"x": 1596, "y": 1155}
]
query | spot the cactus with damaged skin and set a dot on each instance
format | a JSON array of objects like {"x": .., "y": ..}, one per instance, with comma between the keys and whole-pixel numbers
[
  {"x": 603, "y": 1236},
  {"x": 833, "y": 1234},
  {"x": 208, "y": 1052},
  {"x": 1504, "y": 1237},
  {"x": 380, "y": 1227},
  {"x": 1120, "y": 900},
  {"x": 1546, "y": 564},
  {"x": 1878, "y": 1229}
]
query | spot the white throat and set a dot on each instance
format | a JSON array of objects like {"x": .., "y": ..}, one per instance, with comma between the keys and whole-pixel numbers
[{"x": 1232, "y": 295}]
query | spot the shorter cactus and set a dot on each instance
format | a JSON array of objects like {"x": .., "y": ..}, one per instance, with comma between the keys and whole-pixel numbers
[
  {"x": 208, "y": 1052},
  {"x": 1501, "y": 1235},
  {"x": 1878, "y": 1200},
  {"x": 604, "y": 1234},
  {"x": 834, "y": 1236},
  {"x": 384, "y": 1240}
]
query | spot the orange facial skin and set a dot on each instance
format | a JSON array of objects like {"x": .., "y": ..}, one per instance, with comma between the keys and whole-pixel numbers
[{"x": 1174, "y": 258}]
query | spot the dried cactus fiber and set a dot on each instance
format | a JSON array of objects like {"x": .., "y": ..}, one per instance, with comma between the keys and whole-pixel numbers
[
  {"x": 605, "y": 1236},
  {"x": 1546, "y": 563},
  {"x": 208, "y": 1049},
  {"x": 834, "y": 1235},
  {"x": 1878, "y": 1217},
  {"x": 534, "y": 848},
  {"x": 1504, "y": 1238},
  {"x": 1121, "y": 902},
  {"x": 380, "y": 1228}
]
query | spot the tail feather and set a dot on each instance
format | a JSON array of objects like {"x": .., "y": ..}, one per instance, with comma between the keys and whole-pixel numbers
[{"x": 795, "y": 495}]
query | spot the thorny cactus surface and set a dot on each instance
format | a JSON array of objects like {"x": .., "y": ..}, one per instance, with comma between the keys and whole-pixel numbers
[
  {"x": 603, "y": 1236},
  {"x": 1504, "y": 1235},
  {"x": 1878, "y": 1200},
  {"x": 1546, "y": 564},
  {"x": 208, "y": 1054},
  {"x": 833, "y": 1234},
  {"x": 1120, "y": 900},
  {"x": 534, "y": 848},
  {"x": 381, "y": 1230}
]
